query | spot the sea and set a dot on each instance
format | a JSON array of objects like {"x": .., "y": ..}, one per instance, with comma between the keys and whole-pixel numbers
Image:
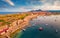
[
  {"x": 9, "y": 12},
  {"x": 50, "y": 25}
]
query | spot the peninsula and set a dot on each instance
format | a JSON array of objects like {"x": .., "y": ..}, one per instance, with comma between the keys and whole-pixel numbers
[{"x": 13, "y": 22}]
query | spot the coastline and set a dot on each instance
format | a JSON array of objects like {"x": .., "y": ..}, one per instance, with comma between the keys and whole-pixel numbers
[{"x": 15, "y": 27}]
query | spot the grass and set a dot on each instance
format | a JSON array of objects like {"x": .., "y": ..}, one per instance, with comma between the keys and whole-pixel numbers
[{"x": 2, "y": 21}]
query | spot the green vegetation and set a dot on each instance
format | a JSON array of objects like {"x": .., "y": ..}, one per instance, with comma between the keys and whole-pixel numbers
[
  {"x": 12, "y": 35},
  {"x": 9, "y": 18},
  {"x": 2, "y": 21},
  {"x": 7, "y": 22},
  {"x": 23, "y": 16}
]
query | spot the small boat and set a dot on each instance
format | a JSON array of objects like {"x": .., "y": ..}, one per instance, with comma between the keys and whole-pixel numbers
[
  {"x": 41, "y": 29},
  {"x": 56, "y": 31},
  {"x": 55, "y": 20},
  {"x": 33, "y": 25},
  {"x": 24, "y": 29},
  {"x": 46, "y": 24}
]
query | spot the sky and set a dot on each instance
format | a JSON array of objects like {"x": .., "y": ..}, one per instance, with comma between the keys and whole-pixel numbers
[{"x": 28, "y": 5}]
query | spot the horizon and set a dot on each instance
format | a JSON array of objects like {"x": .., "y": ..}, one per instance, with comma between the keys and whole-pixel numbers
[
  {"x": 30, "y": 11},
  {"x": 28, "y": 5},
  {"x": 33, "y": 10}
]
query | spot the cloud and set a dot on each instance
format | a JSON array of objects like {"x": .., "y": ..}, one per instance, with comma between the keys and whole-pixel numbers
[
  {"x": 45, "y": 4},
  {"x": 35, "y": 5},
  {"x": 10, "y": 2},
  {"x": 57, "y": 3},
  {"x": 54, "y": 6},
  {"x": 25, "y": 9},
  {"x": 48, "y": 5}
]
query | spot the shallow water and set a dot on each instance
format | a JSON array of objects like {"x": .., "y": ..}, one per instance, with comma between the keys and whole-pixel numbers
[{"x": 49, "y": 24}]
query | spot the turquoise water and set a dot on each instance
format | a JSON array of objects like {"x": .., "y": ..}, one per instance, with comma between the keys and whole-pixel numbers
[{"x": 49, "y": 30}]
